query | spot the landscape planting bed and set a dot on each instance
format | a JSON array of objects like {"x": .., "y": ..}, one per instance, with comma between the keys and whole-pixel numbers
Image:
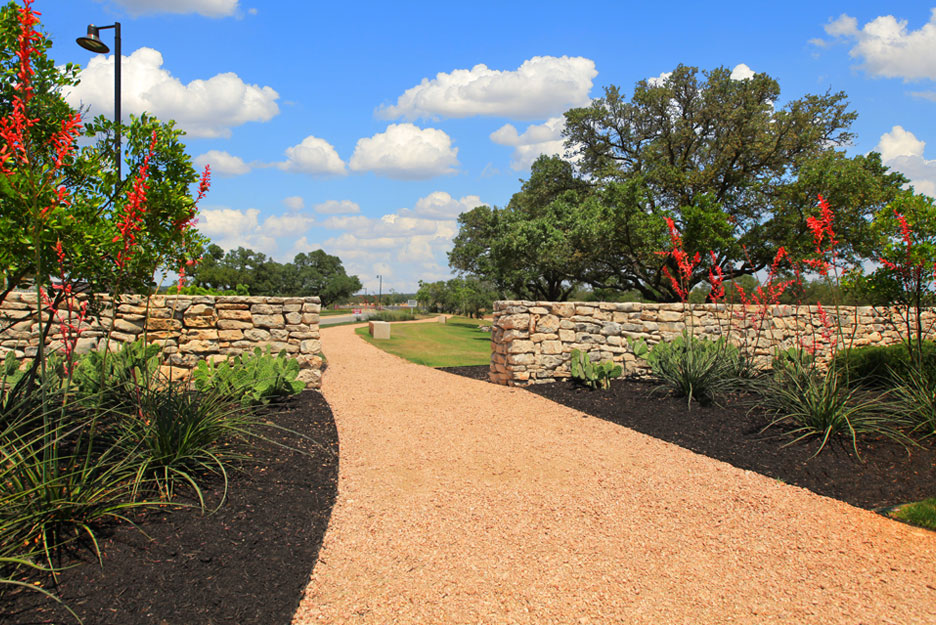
[
  {"x": 885, "y": 475},
  {"x": 246, "y": 564}
]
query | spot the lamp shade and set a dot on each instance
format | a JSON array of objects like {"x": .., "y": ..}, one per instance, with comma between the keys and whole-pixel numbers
[{"x": 92, "y": 41}]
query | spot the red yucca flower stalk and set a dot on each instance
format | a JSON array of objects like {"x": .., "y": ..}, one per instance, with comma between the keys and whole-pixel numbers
[
  {"x": 684, "y": 264},
  {"x": 134, "y": 209},
  {"x": 716, "y": 280},
  {"x": 71, "y": 326},
  {"x": 821, "y": 227},
  {"x": 203, "y": 185}
]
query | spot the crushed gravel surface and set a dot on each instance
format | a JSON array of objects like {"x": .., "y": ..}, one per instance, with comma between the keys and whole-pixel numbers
[{"x": 463, "y": 502}]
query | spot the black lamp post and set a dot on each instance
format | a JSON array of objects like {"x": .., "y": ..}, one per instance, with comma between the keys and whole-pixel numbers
[{"x": 92, "y": 41}]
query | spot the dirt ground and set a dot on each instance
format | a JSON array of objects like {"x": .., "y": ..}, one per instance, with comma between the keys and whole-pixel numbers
[{"x": 463, "y": 502}]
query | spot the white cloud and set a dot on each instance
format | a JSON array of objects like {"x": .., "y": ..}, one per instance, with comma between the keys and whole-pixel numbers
[
  {"x": 313, "y": 156},
  {"x": 222, "y": 163},
  {"x": 203, "y": 108},
  {"x": 924, "y": 95},
  {"x": 888, "y": 49},
  {"x": 742, "y": 72},
  {"x": 537, "y": 139},
  {"x": 231, "y": 228},
  {"x": 441, "y": 205},
  {"x": 208, "y": 8},
  {"x": 294, "y": 202},
  {"x": 657, "y": 81},
  {"x": 406, "y": 152},
  {"x": 337, "y": 207},
  {"x": 902, "y": 151},
  {"x": 541, "y": 87}
]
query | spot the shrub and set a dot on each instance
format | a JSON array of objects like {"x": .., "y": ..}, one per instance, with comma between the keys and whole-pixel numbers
[
  {"x": 593, "y": 374},
  {"x": 914, "y": 397},
  {"x": 694, "y": 368},
  {"x": 817, "y": 402},
  {"x": 393, "y": 315},
  {"x": 880, "y": 366},
  {"x": 179, "y": 436},
  {"x": 250, "y": 378}
]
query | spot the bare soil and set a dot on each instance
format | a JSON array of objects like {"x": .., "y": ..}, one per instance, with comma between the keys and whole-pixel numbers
[{"x": 465, "y": 502}]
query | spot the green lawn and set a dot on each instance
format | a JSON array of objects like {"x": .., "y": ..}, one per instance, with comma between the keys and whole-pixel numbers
[
  {"x": 338, "y": 311},
  {"x": 457, "y": 343},
  {"x": 922, "y": 513}
]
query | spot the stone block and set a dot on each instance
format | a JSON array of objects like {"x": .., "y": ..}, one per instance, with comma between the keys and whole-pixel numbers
[
  {"x": 293, "y": 317},
  {"x": 199, "y": 321},
  {"x": 256, "y": 334},
  {"x": 198, "y": 347},
  {"x": 232, "y": 324},
  {"x": 379, "y": 329},
  {"x": 552, "y": 347},
  {"x": 263, "y": 309},
  {"x": 441, "y": 319},
  {"x": 520, "y": 347},
  {"x": 230, "y": 335},
  {"x": 547, "y": 324},
  {"x": 237, "y": 314},
  {"x": 268, "y": 321},
  {"x": 314, "y": 347},
  {"x": 512, "y": 322}
]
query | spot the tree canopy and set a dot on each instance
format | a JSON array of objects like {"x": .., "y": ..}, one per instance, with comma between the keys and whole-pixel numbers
[
  {"x": 737, "y": 173},
  {"x": 315, "y": 273}
]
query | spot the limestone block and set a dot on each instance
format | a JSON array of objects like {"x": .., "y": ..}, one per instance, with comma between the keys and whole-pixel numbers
[
  {"x": 292, "y": 306},
  {"x": 547, "y": 324},
  {"x": 125, "y": 326},
  {"x": 199, "y": 321},
  {"x": 670, "y": 316},
  {"x": 231, "y": 324},
  {"x": 198, "y": 346},
  {"x": 309, "y": 319},
  {"x": 263, "y": 309},
  {"x": 268, "y": 321},
  {"x": 379, "y": 329},
  {"x": 314, "y": 347},
  {"x": 512, "y": 322},
  {"x": 174, "y": 373},
  {"x": 521, "y": 359},
  {"x": 311, "y": 377},
  {"x": 584, "y": 310},
  {"x": 441, "y": 319},
  {"x": 293, "y": 317},
  {"x": 539, "y": 338},
  {"x": 231, "y": 306},
  {"x": 610, "y": 329},
  {"x": 279, "y": 335},
  {"x": 520, "y": 347},
  {"x": 201, "y": 335},
  {"x": 237, "y": 314},
  {"x": 256, "y": 334},
  {"x": 277, "y": 347},
  {"x": 566, "y": 336},
  {"x": 199, "y": 310},
  {"x": 123, "y": 337},
  {"x": 230, "y": 335},
  {"x": 310, "y": 307},
  {"x": 552, "y": 347},
  {"x": 309, "y": 361},
  {"x": 539, "y": 310},
  {"x": 15, "y": 314},
  {"x": 303, "y": 335}
]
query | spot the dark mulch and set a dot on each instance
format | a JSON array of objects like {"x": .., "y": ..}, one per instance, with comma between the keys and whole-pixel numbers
[
  {"x": 247, "y": 563},
  {"x": 884, "y": 476}
]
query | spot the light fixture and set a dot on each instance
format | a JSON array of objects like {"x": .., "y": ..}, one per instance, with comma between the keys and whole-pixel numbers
[{"x": 92, "y": 41}]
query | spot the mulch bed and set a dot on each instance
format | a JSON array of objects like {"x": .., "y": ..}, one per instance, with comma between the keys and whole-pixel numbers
[
  {"x": 248, "y": 563},
  {"x": 885, "y": 475}
]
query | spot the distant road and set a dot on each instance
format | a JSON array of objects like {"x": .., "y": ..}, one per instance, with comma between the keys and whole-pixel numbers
[{"x": 327, "y": 320}]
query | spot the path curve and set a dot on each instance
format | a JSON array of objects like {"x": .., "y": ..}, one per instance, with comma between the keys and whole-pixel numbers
[{"x": 463, "y": 502}]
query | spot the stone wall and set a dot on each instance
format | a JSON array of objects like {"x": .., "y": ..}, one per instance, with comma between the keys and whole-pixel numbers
[
  {"x": 189, "y": 328},
  {"x": 531, "y": 342}
]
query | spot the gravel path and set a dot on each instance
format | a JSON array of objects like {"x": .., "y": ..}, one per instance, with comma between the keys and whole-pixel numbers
[{"x": 463, "y": 502}]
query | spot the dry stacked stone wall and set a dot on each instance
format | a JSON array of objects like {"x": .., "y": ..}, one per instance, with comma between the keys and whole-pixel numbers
[
  {"x": 189, "y": 328},
  {"x": 531, "y": 342}
]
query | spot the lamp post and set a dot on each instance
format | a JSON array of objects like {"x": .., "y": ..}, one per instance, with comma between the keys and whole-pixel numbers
[{"x": 92, "y": 41}]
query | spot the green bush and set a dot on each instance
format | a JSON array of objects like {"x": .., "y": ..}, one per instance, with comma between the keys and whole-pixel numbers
[
  {"x": 880, "y": 366},
  {"x": 914, "y": 398},
  {"x": 250, "y": 378},
  {"x": 694, "y": 368},
  {"x": 593, "y": 374},
  {"x": 393, "y": 315}
]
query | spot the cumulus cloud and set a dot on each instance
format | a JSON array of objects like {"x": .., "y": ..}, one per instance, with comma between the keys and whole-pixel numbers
[
  {"x": 902, "y": 151},
  {"x": 337, "y": 207},
  {"x": 294, "y": 202},
  {"x": 222, "y": 163},
  {"x": 887, "y": 48},
  {"x": 537, "y": 139},
  {"x": 208, "y": 8},
  {"x": 313, "y": 156},
  {"x": 656, "y": 81},
  {"x": 541, "y": 87},
  {"x": 441, "y": 205},
  {"x": 231, "y": 228},
  {"x": 406, "y": 152},
  {"x": 742, "y": 72},
  {"x": 203, "y": 108}
]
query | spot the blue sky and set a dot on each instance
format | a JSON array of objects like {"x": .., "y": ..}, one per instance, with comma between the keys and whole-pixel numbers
[{"x": 365, "y": 128}]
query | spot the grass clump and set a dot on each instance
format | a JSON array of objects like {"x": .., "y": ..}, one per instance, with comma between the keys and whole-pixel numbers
[
  {"x": 920, "y": 513},
  {"x": 882, "y": 366}
]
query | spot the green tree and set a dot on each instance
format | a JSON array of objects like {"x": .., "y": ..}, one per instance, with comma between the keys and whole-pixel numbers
[
  {"x": 525, "y": 248},
  {"x": 736, "y": 173}
]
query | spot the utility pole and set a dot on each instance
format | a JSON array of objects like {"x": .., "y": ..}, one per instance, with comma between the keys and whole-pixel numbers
[{"x": 379, "y": 291}]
